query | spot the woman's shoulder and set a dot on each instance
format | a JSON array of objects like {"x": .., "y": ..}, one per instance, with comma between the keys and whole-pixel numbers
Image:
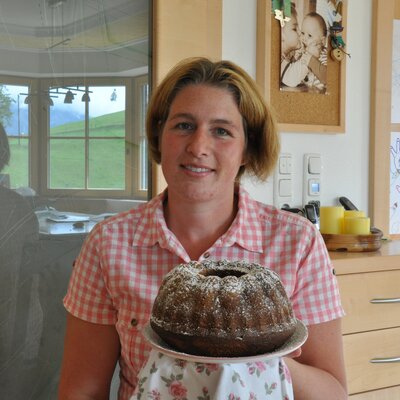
[
  {"x": 274, "y": 215},
  {"x": 270, "y": 213},
  {"x": 267, "y": 218},
  {"x": 142, "y": 214}
]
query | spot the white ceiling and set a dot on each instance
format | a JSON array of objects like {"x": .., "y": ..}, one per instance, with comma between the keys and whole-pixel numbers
[{"x": 45, "y": 37}]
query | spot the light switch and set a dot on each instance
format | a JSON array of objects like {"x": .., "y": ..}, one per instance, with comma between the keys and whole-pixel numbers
[
  {"x": 283, "y": 180},
  {"x": 289, "y": 164},
  {"x": 285, "y": 164},
  {"x": 285, "y": 187},
  {"x": 312, "y": 177},
  {"x": 314, "y": 165},
  {"x": 282, "y": 165}
]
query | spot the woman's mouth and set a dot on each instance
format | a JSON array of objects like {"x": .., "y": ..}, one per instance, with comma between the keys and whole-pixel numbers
[{"x": 195, "y": 169}]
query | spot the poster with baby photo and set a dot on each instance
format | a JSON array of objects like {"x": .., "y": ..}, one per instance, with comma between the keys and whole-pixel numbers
[{"x": 304, "y": 43}]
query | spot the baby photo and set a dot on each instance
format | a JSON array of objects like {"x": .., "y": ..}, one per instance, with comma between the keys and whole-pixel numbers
[{"x": 304, "y": 44}]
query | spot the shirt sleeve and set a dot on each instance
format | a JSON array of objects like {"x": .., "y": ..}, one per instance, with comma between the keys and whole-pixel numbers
[
  {"x": 87, "y": 297},
  {"x": 316, "y": 296}
]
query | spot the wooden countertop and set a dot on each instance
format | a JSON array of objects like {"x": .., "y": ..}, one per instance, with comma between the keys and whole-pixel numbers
[{"x": 386, "y": 258}]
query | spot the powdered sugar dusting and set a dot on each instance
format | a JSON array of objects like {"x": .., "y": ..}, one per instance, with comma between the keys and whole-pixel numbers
[{"x": 222, "y": 298}]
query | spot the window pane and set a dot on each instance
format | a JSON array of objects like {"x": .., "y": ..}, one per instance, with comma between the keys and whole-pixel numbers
[
  {"x": 107, "y": 111},
  {"x": 67, "y": 164},
  {"x": 19, "y": 162},
  {"x": 67, "y": 119},
  {"x": 94, "y": 112},
  {"x": 14, "y": 115},
  {"x": 107, "y": 163}
]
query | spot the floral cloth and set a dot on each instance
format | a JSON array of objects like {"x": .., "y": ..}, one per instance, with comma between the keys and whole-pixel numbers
[{"x": 167, "y": 378}]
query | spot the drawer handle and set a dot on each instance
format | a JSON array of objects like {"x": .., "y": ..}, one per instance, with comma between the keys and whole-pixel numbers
[
  {"x": 386, "y": 301},
  {"x": 385, "y": 360}
]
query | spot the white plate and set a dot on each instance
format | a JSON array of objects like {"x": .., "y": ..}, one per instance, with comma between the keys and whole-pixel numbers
[{"x": 294, "y": 342}]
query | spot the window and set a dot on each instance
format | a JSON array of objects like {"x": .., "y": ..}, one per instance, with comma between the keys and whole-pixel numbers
[{"x": 90, "y": 138}]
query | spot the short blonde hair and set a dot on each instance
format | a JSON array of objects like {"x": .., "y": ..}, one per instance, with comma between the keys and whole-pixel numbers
[{"x": 262, "y": 139}]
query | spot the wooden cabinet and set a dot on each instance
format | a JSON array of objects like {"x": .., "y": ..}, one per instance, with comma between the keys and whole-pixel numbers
[{"x": 370, "y": 289}]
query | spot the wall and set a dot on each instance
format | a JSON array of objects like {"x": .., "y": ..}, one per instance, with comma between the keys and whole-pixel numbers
[{"x": 344, "y": 156}]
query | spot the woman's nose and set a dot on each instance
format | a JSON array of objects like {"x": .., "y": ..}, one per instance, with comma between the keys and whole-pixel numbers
[{"x": 199, "y": 142}]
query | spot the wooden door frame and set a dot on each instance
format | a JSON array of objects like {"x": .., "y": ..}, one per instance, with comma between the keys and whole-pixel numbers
[
  {"x": 182, "y": 29},
  {"x": 383, "y": 13}
]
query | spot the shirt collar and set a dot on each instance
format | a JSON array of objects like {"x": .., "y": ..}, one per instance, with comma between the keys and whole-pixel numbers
[
  {"x": 244, "y": 231},
  {"x": 151, "y": 221}
]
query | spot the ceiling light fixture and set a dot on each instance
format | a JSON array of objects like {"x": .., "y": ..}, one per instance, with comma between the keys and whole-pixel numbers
[
  {"x": 28, "y": 99},
  {"x": 45, "y": 96},
  {"x": 86, "y": 97},
  {"x": 69, "y": 97},
  {"x": 113, "y": 96}
]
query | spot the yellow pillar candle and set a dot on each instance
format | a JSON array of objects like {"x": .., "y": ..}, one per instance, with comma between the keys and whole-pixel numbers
[
  {"x": 357, "y": 225},
  {"x": 354, "y": 213},
  {"x": 331, "y": 220}
]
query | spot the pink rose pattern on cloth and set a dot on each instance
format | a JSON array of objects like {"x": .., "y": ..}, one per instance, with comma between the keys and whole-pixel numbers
[{"x": 166, "y": 378}]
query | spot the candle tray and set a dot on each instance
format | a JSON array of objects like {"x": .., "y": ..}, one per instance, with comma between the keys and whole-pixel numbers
[{"x": 354, "y": 243}]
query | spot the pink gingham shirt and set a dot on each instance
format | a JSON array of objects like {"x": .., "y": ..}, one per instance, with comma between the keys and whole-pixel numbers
[{"x": 124, "y": 259}]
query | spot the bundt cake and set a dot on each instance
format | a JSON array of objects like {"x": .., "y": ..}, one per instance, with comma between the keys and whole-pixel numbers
[{"x": 222, "y": 309}]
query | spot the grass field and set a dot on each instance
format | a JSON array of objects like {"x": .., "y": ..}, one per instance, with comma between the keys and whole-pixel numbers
[{"x": 67, "y": 153}]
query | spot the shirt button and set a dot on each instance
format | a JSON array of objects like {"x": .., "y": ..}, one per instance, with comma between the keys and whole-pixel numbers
[
  {"x": 134, "y": 322},
  {"x": 206, "y": 255}
]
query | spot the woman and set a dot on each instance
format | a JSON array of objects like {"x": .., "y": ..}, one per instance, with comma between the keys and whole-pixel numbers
[{"x": 207, "y": 124}]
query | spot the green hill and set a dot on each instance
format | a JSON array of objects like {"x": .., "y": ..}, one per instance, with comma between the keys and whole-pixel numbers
[{"x": 105, "y": 125}]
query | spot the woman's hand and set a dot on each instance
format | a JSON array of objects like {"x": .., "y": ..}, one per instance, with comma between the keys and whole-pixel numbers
[{"x": 294, "y": 354}]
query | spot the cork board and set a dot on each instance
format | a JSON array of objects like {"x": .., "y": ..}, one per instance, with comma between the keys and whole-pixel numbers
[{"x": 298, "y": 111}]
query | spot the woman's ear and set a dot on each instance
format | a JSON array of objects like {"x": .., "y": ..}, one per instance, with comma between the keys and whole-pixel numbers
[{"x": 244, "y": 158}]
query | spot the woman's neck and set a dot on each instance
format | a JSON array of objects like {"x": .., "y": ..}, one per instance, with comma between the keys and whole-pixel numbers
[{"x": 198, "y": 226}]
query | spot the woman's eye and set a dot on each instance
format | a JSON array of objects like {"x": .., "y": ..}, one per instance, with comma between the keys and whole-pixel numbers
[
  {"x": 222, "y": 132},
  {"x": 184, "y": 126}
]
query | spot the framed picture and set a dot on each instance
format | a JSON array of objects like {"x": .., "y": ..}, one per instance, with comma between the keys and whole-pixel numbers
[{"x": 297, "y": 68}]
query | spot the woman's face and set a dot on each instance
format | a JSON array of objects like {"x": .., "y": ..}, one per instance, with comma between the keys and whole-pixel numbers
[
  {"x": 290, "y": 36},
  {"x": 202, "y": 144}
]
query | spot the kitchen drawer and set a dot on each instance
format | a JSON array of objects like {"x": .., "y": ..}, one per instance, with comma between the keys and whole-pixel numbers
[
  {"x": 357, "y": 291},
  {"x": 392, "y": 393},
  {"x": 360, "y": 348}
]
